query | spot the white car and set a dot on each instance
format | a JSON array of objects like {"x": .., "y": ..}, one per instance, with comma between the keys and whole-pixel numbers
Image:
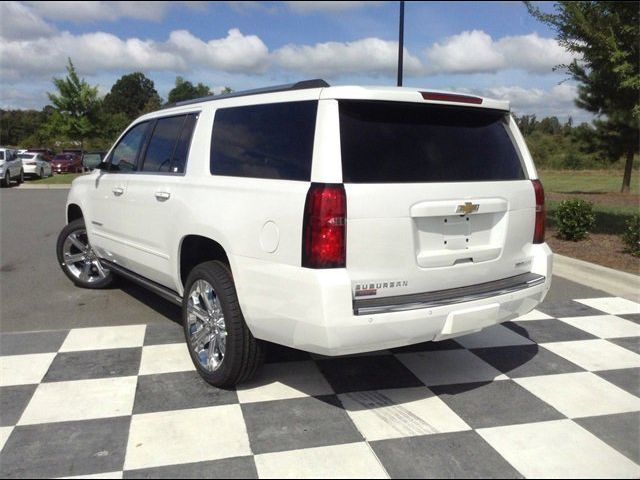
[
  {"x": 335, "y": 220},
  {"x": 10, "y": 167},
  {"x": 35, "y": 165}
]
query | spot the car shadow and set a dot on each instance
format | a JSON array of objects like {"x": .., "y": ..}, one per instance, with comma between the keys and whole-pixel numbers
[{"x": 366, "y": 381}]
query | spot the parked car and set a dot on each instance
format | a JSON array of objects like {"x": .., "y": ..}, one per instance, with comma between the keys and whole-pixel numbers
[
  {"x": 66, "y": 163},
  {"x": 47, "y": 154},
  {"x": 335, "y": 220},
  {"x": 10, "y": 167},
  {"x": 91, "y": 160},
  {"x": 34, "y": 165}
]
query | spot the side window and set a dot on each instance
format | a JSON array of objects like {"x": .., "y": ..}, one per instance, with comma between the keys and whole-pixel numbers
[
  {"x": 169, "y": 144},
  {"x": 182, "y": 149},
  {"x": 124, "y": 156},
  {"x": 264, "y": 141}
]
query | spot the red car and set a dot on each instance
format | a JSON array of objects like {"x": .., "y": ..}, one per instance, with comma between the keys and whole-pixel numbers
[{"x": 67, "y": 163}]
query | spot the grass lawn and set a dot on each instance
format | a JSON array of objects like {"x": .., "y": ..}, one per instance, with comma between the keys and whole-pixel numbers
[
  {"x": 587, "y": 181},
  {"x": 59, "y": 179}
]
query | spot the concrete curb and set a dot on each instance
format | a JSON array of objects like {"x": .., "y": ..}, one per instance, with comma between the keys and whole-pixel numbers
[
  {"x": 620, "y": 284},
  {"x": 25, "y": 186}
]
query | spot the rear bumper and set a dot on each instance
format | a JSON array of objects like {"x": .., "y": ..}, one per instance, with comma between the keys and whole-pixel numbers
[{"x": 313, "y": 310}]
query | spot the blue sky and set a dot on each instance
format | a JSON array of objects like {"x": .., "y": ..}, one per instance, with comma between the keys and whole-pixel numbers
[{"x": 494, "y": 49}]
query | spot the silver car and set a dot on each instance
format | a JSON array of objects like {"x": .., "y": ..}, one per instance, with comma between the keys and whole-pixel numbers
[
  {"x": 10, "y": 167},
  {"x": 34, "y": 165}
]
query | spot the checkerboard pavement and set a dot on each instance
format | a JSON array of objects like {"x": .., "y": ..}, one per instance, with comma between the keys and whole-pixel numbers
[{"x": 555, "y": 393}]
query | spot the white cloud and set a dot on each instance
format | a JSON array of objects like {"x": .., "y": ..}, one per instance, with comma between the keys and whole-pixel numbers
[
  {"x": 307, "y": 6},
  {"x": 19, "y": 22},
  {"x": 234, "y": 53},
  {"x": 86, "y": 11},
  {"x": 368, "y": 56},
  {"x": 557, "y": 101},
  {"x": 98, "y": 52},
  {"x": 476, "y": 52}
]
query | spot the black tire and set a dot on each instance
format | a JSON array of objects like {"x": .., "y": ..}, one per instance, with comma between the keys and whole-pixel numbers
[
  {"x": 41, "y": 172},
  {"x": 21, "y": 177},
  {"x": 6, "y": 181},
  {"x": 244, "y": 354},
  {"x": 75, "y": 227}
]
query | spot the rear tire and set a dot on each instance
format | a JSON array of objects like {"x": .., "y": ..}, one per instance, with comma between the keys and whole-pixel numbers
[
  {"x": 6, "y": 181},
  {"x": 41, "y": 172},
  {"x": 21, "y": 177},
  {"x": 78, "y": 260},
  {"x": 220, "y": 344}
]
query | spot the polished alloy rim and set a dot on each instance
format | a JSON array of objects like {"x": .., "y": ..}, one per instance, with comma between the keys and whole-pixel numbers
[
  {"x": 80, "y": 259},
  {"x": 207, "y": 332}
]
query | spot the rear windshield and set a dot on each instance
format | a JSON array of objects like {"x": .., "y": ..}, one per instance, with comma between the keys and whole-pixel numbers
[{"x": 390, "y": 142}]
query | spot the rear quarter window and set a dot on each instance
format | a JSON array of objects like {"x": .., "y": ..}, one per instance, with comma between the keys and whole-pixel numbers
[
  {"x": 390, "y": 142},
  {"x": 272, "y": 141}
]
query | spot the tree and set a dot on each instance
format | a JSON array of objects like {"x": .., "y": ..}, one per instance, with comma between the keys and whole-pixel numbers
[
  {"x": 185, "y": 90},
  {"x": 76, "y": 107},
  {"x": 606, "y": 38},
  {"x": 132, "y": 94}
]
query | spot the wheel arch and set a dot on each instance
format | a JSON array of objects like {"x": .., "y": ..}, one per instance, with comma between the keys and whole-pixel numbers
[
  {"x": 196, "y": 249},
  {"x": 74, "y": 212}
]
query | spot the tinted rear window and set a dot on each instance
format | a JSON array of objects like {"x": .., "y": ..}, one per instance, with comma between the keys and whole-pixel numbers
[
  {"x": 264, "y": 141},
  {"x": 384, "y": 142}
]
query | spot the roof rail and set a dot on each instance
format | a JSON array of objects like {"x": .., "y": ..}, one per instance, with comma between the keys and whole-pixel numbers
[{"x": 303, "y": 85}]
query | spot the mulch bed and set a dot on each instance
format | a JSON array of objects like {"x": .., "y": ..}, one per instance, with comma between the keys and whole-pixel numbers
[{"x": 599, "y": 248}]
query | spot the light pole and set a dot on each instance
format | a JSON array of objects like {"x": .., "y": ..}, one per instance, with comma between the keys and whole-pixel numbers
[{"x": 401, "y": 43}]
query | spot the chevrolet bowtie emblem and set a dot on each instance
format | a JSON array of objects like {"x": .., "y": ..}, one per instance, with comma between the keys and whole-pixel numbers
[{"x": 467, "y": 208}]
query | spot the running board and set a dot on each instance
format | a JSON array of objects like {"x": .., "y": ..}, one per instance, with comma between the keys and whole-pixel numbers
[
  {"x": 450, "y": 296},
  {"x": 156, "y": 288}
]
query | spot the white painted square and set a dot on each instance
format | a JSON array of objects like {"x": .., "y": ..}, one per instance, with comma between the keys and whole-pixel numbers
[
  {"x": 594, "y": 355},
  {"x": 279, "y": 381},
  {"x": 449, "y": 367},
  {"x": 80, "y": 400},
  {"x": 533, "y": 315},
  {"x": 397, "y": 413},
  {"x": 605, "y": 326},
  {"x": 352, "y": 460},
  {"x": 558, "y": 449},
  {"x": 173, "y": 357},
  {"x": 581, "y": 394},
  {"x": 103, "y": 338},
  {"x": 185, "y": 436},
  {"x": 496, "y": 336},
  {"x": 24, "y": 369},
  {"x": 612, "y": 305},
  {"x": 5, "y": 432}
]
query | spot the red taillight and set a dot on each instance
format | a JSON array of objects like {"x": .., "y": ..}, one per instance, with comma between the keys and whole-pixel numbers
[
  {"x": 451, "y": 97},
  {"x": 538, "y": 235},
  {"x": 324, "y": 227}
]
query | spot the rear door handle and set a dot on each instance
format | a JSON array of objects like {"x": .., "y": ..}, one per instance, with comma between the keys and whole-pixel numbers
[
  {"x": 163, "y": 195},
  {"x": 117, "y": 191}
]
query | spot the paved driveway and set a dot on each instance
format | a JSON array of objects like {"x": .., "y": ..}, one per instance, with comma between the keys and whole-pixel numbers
[{"x": 555, "y": 393}]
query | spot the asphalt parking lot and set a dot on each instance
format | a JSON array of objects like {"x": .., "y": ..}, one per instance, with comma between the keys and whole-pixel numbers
[{"x": 99, "y": 382}]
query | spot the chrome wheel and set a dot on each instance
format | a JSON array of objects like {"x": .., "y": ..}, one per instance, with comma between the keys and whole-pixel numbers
[
  {"x": 80, "y": 259},
  {"x": 206, "y": 329}
]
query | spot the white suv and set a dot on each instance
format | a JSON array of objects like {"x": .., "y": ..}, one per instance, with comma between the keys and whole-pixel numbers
[{"x": 335, "y": 220}]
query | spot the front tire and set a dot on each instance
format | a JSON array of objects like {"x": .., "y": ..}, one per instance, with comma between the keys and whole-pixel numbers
[
  {"x": 78, "y": 260},
  {"x": 220, "y": 344},
  {"x": 6, "y": 181},
  {"x": 21, "y": 177}
]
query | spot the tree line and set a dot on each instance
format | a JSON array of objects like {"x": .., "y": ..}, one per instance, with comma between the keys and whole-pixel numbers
[{"x": 78, "y": 116}]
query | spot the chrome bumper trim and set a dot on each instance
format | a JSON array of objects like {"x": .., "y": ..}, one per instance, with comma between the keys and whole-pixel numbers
[{"x": 450, "y": 296}]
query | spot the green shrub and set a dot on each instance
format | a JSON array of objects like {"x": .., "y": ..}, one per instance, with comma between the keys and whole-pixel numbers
[
  {"x": 574, "y": 219},
  {"x": 631, "y": 235}
]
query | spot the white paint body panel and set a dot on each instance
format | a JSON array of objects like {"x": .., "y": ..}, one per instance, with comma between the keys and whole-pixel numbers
[{"x": 258, "y": 222}]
